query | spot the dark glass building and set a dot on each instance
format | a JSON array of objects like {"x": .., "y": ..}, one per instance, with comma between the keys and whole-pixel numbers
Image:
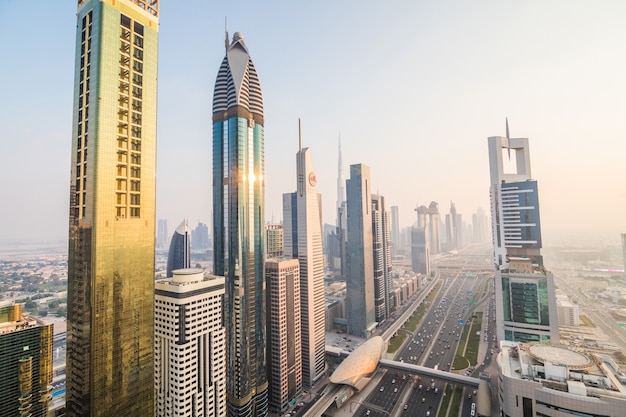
[
  {"x": 25, "y": 364},
  {"x": 179, "y": 255},
  {"x": 238, "y": 226}
]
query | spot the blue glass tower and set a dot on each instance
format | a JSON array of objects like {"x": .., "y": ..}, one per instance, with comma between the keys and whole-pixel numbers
[
  {"x": 179, "y": 255},
  {"x": 238, "y": 213}
]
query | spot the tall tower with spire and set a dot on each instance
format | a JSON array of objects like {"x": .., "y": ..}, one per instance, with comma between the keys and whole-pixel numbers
[
  {"x": 303, "y": 241},
  {"x": 238, "y": 226},
  {"x": 341, "y": 181}
]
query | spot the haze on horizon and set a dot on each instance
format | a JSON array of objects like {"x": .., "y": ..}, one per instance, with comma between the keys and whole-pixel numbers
[{"x": 413, "y": 89}]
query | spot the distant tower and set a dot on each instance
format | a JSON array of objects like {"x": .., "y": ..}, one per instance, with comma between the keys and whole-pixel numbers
[
  {"x": 395, "y": 231},
  {"x": 179, "y": 255},
  {"x": 382, "y": 257},
  {"x": 25, "y": 364},
  {"x": 239, "y": 226},
  {"x": 110, "y": 291},
  {"x": 454, "y": 228},
  {"x": 303, "y": 240},
  {"x": 162, "y": 233},
  {"x": 360, "y": 309},
  {"x": 420, "y": 242},
  {"x": 434, "y": 233},
  {"x": 284, "y": 332},
  {"x": 525, "y": 295},
  {"x": 189, "y": 353},
  {"x": 341, "y": 190}
]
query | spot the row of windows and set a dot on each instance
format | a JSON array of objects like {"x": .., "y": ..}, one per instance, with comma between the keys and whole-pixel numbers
[{"x": 130, "y": 83}]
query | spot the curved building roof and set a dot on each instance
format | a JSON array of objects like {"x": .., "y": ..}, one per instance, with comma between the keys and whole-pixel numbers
[
  {"x": 362, "y": 362},
  {"x": 237, "y": 82}
]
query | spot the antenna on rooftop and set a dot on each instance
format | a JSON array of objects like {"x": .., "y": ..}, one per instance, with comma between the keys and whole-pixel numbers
[
  {"x": 300, "y": 133},
  {"x": 508, "y": 144},
  {"x": 226, "y": 43}
]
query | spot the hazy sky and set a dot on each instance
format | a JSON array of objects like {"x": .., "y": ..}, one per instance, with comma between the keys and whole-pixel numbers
[{"x": 413, "y": 87}]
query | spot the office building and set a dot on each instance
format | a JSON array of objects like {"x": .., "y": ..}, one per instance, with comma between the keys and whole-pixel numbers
[
  {"x": 302, "y": 224},
  {"x": 189, "y": 345},
  {"x": 25, "y": 364},
  {"x": 552, "y": 381},
  {"x": 420, "y": 250},
  {"x": 360, "y": 309},
  {"x": 200, "y": 237},
  {"x": 567, "y": 312},
  {"x": 525, "y": 295},
  {"x": 110, "y": 314},
  {"x": 179, "y": 255},
  {"x": 284, "y": 343},
  {"x": 381, "y": 252},
  {"x": 274, "y": 240},
  {"x": 239, "y": 226}
]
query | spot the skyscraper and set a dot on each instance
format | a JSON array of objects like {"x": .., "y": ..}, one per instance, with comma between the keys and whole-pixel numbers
[
  {"x": 433, "y": 227},
  {"x": 239, "y": 227},
  {"x": 525, "y": 294},
  {"x": 110, "y": 337},
  {"x": 25, "y": 364},
  {"x": 189, "y": 348},
  {"x": 302, "y": 216},
  {"x": 274, "y": 240},
  {"x": 284, "y": 332},
  {"x": 162, "y": 233},
  {"x": 395, "y": 231},
  {"x": 341, "y": 182},
  {"x": 360, "y": 310},
  {"x": 381, "y": 247},
  {"x": 179, "y": 255}
]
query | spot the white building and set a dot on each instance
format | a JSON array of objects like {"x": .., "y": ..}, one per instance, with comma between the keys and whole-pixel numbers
[
  {"x": 568, "y": 312},
  {"x": 189, "y": 345},
  {"x": 302, "y": 224},
  {"x": 551, "y": 381}
]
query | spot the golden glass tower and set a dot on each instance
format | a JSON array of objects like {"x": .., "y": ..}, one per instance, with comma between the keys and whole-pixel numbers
[{"x": 110, "y": 366}]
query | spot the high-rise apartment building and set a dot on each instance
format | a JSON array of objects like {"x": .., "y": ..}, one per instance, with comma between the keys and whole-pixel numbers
[
  {"x": 179, "y": 255},
  {"x": 381, "y": 247},
  {"x": 284, "y": 331},
  {"x": 239, "y": 226},
  {"x": 189, "y": 345},
  {"x": 525, "y": 295},
  {"x": 25, "y": 364},
  {"x": 420, "y": 250},
  {"x": 110, "y": 337},
  {"x": 302, "y": 224},
  {"x": 274, "y": 240},
  {"x": 360, "y": 309}
]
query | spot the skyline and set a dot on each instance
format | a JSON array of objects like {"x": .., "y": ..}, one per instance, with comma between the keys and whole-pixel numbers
[{"x": 421, "y": 80}]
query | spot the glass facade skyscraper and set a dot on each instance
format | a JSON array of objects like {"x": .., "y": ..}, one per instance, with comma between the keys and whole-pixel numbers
[
  {"x": 110, "y": 338},
  {"x": 179, "y": 255},
  {"x": 360, "y": 308},
  {"x": 525, "y": 295},
  {"x": 238, "y": 226}
]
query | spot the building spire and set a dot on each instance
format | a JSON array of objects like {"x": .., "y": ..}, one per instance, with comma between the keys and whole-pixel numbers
[
  {"x": 508, "y": 145},
  {"x": 300, "y": 133},
  {"x": 226, "y": 41}
]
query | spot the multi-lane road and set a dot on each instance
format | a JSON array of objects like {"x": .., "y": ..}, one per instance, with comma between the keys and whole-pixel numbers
[{"x": 433, "y": 344}]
